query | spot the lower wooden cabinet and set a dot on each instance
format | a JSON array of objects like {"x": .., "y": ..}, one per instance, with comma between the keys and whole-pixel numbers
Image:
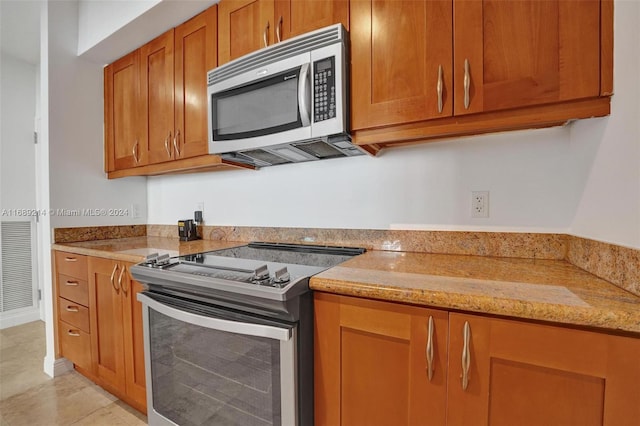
[
  {"x": 372, "y": 363},
  {"x": 72, "y": 304},
  {"x": 117, "y": 342},
  {"x": 523, "y": 373}
]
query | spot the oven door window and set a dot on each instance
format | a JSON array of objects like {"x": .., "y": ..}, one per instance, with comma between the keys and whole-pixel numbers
[
  {"x": 203, "y": 376},
  {"x": 262, "y": 108}
]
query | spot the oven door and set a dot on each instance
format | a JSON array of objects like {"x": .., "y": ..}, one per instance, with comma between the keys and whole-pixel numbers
[{"x": 207, "y": 365}]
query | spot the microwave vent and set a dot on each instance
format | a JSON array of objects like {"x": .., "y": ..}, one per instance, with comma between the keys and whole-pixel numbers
[{"x": 277, "y": 52}]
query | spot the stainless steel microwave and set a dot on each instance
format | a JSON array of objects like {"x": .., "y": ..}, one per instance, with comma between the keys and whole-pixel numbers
[{"x": 285, "y": 103}]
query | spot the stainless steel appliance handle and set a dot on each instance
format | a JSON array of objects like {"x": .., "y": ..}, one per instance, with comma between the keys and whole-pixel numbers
[
  {"x": 304, "y": 95},
  {"x": 283, "y": 334}
]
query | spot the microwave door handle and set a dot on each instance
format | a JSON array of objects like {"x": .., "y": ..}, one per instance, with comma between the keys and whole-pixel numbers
[{"x": 304, "y": 95}]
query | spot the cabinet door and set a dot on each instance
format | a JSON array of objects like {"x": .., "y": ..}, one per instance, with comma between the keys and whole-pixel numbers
[
  {"x": 295, "y": 17},
  {"x": 371, "y": 363},
  {"x": 525, "y": 52},
  {"x": 156, "y": 84},
  {"x": 532, "y": 374},
  {"x": 122, "y": 114},
  {"x": 400, "y": 61},
  {"x": 195, "y": 54},
  {"x": 133, "y": 339},
  {"x": 106, "y": 320},
  {"x": 243, "y": 27}
]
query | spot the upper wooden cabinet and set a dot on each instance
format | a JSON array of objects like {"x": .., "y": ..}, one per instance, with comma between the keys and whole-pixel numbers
[
  {"x": 245, "y": 26},
  {"x": 156, "y": 103},
  {"x": 525, "y": 52},
  {"x": 195, "y": 47},
  {"x": 156, "y": 90},
  {"x": 122, "y": 105},
  {"x": 401, "y": 61},
  {"x": 439, "y": 68},
  {"x": 295, "y": 17}
]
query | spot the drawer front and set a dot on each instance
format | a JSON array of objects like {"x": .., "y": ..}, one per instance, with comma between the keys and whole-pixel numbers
[
  {"x": 74, "y": 314},
  {"x": 72, "y": 265},
  {"x": 75, "y": 345},
  {"x": 73, "y": 289}
]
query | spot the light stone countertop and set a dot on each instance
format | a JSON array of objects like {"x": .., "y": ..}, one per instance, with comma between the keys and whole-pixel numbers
[
  {"x": 135, "y": 249},
  {"x": 544, "y": 290}
]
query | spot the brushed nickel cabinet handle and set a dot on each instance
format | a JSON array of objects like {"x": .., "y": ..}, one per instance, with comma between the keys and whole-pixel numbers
[
  {"x": 466, "y": 355},
  {"x": 467, "y": 84},
  {"x": 429, "y": 350},
  {"x": 265, "y": 35},
  {"x": 70, "y": 259},
  {"x": 278, "y": 29},
  {"x": 120, "y": 282},
  {"x": 134, "y": 151},
  {"x": 166, "y": 144},
  {"x": 72, "y": 309},
  {"x": 72, "y": 283},
  {"x": 73, "y": 333},
  {"x": 175, "y": 142},
  {"x": 439, "y": 89},
  {"x": 113, "y": 275}
]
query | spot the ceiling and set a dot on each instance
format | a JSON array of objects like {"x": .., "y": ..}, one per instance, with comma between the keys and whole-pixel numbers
[{"x": 20, "y": 29}]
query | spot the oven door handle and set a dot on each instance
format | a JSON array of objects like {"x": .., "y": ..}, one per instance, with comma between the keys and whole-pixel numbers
[{"x": 248, "y": 329}]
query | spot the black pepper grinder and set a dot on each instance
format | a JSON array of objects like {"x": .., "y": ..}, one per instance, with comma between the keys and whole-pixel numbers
[{"x": 197, "y": 219}]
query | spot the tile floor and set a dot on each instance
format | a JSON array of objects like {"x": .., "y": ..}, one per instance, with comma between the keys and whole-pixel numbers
[{"x": 31, "y": 398}]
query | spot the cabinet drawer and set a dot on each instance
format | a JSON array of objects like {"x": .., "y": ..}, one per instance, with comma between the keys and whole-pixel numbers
[
  {"x": 73, "y": 289},
  {"x": 74, "y": 314},
  {"x": 73, "y": 265},
  {"x": 75, "y": 345}
]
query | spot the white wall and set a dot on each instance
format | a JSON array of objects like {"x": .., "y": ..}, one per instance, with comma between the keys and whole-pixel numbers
[
  {"x": 17, "y": 118},
  {"x": 108, "y": 29},
  {"x": 606, "y": 152},
  {"x": 426, "y": 186},
  {"x": 75, "y": 109}
]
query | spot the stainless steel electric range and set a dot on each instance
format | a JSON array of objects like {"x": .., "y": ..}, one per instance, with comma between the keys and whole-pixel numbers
[{"x": 229, "y": 334}]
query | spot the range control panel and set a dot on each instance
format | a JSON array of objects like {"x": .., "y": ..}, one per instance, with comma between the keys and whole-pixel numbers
[{"x": 324, "y": 83}]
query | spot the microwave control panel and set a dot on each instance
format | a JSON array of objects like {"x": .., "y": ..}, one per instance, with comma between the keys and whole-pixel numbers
[{"x": 324, "y": 83}]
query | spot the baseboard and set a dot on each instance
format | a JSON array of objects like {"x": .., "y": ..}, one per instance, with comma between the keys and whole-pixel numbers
[
  {"x": 11, "y": 319},
  {"x": 56, "y": 367}
]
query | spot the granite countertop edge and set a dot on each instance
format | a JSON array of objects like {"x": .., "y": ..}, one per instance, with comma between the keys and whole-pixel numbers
[{"x": 607, "y": 320}]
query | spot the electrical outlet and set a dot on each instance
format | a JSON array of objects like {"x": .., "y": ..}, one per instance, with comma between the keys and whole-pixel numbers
[
  {"x": 135, "y": 211},
  {"x": 479, "y": 203}
]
